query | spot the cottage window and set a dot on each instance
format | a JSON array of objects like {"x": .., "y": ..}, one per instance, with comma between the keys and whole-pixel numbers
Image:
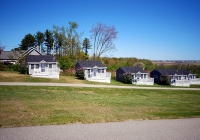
[
  {"x": 99, "y": 70},
  {"x": 138, "y": 75},
  {"x": 88, "y": 70},
  {"x": 37, "y": 66},
  {"x": 144, "y": 75},
  {"x": 102, "y": 70},
  {"x": 32, "y": 66},
  {"x": 50, "y": 65}
]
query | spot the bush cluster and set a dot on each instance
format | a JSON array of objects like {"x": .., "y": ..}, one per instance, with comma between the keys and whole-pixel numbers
[
  {"x": 165, "y": 79},
  {"x": 128, "y": 77},
  {"x": 9, "y": 67},
  {"x": 23, "y": 69},
  {"x": 80, "y": 73}
]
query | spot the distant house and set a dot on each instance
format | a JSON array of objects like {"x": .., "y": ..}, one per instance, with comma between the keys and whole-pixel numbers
[
  {"x": 140, "y": 77},
  {"x": 30, "y": 51},
  {"x": 44, "y": 66},
  {"x": 9, "y": 56},
  {"x": 14, "y": 56},
  {"x": 94, "y": 70},
  {"x": 178, "y": 77}
]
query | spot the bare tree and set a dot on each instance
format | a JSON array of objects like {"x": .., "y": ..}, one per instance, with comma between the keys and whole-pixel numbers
[{"x": 103, "y": 39}]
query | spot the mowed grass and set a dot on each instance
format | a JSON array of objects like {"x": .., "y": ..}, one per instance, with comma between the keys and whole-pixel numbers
[
  {"x": 30, "y": 106},
  {"x": 8, "y": 76}
]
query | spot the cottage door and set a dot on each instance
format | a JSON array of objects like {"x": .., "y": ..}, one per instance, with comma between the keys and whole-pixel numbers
[
  {"x": 42, "y": 67},
  {"x": 94, "y": 71}
]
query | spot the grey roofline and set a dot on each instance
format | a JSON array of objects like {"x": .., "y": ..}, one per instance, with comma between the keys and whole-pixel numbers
[
  {"x": 94, "y": 66},
  {"x": 40, "y": 61}
]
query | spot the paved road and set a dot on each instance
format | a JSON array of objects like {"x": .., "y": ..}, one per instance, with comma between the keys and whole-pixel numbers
[
  {"x": 177, "y": 129},
  {"x": 90, "y": 85}
]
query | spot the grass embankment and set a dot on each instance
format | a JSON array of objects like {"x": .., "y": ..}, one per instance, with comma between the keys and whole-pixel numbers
[{"x": 29, "y": 106}]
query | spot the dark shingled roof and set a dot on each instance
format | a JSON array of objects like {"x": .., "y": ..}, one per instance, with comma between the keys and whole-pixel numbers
[
  {"x": 173, "y": 71},
  {"x": 90, "y": 63},
  {"x": 9, "y": 55},
  {"x": 132, "y": 69},
  {"x": 38, "y": 58}
]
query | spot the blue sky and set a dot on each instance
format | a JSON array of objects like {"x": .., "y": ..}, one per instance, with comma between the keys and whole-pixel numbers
[{"x": 147, "y": 29}]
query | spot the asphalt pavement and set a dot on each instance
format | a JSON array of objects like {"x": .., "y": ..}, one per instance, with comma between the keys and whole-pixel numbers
[{"x": 175, "y": 129}]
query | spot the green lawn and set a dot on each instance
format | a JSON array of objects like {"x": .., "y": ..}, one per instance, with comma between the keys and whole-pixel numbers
[{"x": 29, "y": 106}]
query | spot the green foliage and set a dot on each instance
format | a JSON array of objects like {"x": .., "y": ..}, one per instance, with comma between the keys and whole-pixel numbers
[
  {"x": 27, "y": 41},
  {"x": 80, "y": 73},
  {"x": 66, "y": 62},
  {"x": 113, "y": 64},
  {"x": 86, "y": 45},
  {"x": 16, "y": 67},
  {"x": 9, "y": 67},
  {"x": 23, "y": 68},
  {"x": 81, "y": 56},
  {"x": 1, "y": 66},
  {"x": 128, "y": 77},
  {"x": 165, "y": 79},
  {"x": 49, "y": 40}
]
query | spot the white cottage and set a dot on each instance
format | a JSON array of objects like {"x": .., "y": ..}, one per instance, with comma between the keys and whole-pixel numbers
[
  {"x": 94, "y": 70},
  {"x": 178, "y": 77},
  {"x": 44, "y": 66},
  {"x": 140, "y": 77}
]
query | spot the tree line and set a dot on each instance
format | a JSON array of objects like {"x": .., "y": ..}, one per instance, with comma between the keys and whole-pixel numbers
[
  {"x": 66, "y": 45},
  {"x": 114, "y": 63},
  {"x": 66, "y": 41}
]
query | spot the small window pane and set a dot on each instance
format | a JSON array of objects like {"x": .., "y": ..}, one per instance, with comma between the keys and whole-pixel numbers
[
  {"x": 32, "y": 66},
  {"x": 37, "y": 66},
  {"x": 102, "y": 70},
  {"x": 50, "y": 65}
]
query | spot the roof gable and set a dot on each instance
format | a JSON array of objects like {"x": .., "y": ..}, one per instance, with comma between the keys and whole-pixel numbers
[
  {"x": 90, "y": 63},
  {"x": 30, "y": 50},
  {"x": 132, "y": 69},
  {"x": 39, "y": 58}
]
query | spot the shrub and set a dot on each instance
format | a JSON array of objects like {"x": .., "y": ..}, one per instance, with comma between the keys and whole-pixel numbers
[
  {"x": 128, "y": 77},
  {"x": 16, "y": 67},
  {"x": 1, "y": 66},
  {"x": 23, "y": 69},
  {"x": 80, "y": 73},
  {"x": 165, "y": 79}
]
